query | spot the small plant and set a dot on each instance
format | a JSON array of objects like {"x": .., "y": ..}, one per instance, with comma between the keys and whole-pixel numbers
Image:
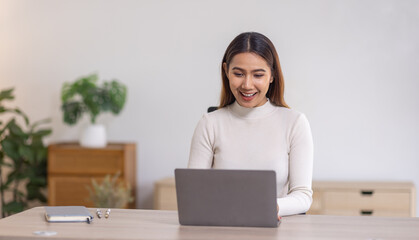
[
  {"x": 111, "y": 193},
  {"x": 27, "y": 158},
  {"x": 84, "y": 95}
]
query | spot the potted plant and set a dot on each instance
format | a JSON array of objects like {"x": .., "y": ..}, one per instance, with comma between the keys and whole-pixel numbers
[
  {"x": 112, "y": 192},
  {"x": 24, "y": 155},
  {"x": 85, "y": 96}
]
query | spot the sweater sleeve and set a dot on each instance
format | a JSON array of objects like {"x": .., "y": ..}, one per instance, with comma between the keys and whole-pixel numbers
[
  {"x": 201, "y": 153},
  {"x": 299, "y": 197}
]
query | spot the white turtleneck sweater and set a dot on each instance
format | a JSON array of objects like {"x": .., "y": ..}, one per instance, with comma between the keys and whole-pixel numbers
[{"x": 264, "y": 138}]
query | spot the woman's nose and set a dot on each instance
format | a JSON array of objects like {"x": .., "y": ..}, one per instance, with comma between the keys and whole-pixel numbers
[{"x": 247, "y": 82}]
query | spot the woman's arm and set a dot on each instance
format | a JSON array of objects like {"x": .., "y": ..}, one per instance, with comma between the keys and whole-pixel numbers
[
  {"x": 201, "y": 154},
  {"x": 300, "y": 173}
]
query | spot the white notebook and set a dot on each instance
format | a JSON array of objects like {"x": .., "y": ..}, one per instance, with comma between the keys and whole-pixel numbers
[{"x": 68, "y": 214}]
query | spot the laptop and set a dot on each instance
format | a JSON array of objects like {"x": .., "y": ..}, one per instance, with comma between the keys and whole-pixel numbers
[{"x": 210, "y": 197}]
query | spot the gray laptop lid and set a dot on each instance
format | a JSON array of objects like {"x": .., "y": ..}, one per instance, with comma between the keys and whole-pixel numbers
[{"x": 212, "y": 197}]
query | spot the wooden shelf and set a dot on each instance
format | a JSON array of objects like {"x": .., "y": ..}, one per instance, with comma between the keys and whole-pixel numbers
[{"x": 71, "y": 168}]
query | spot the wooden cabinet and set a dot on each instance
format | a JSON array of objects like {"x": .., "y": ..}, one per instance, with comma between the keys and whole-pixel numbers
[
  {"x": 71, "y": 168},
  {"x": 396, "y": 199},
  {"x": 165, "y": 194}
]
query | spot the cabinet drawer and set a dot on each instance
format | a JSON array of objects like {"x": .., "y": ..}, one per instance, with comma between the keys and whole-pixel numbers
[
  {"x": 85, "y": 162},
  {"x": 367, "y": 212},
  {"x": 68, "y": 191},
  {"x": 374, "y": 200}
]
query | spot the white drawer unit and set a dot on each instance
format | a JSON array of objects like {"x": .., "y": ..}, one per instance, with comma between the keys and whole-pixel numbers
[
  {"x": 393, "y": 199},
  {"x": 165, "y": 194},
  {"x": 396, "y": 199}
]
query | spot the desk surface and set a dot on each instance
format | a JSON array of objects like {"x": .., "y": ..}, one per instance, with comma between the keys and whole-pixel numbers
[{"x": 153, "y": 224}]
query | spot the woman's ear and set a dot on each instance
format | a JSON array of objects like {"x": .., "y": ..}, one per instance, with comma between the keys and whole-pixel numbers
[
  {"x": 272, "y": 79},
  {"x": 225, "y": 68}
]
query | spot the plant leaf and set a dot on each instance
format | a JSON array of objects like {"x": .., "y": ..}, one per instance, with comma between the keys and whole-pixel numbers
[
  {"x": 27, "y": 153},
  {"x": 18, "y": 111},
  {"x": 6, "y": 94},
  {"x": 5, "y": 186},
  {"x": 37, "y": 123},
  {"x": 42, "y": 133},
  {"x": 41, "y": 154},
  {"x": 14, "y": 175},
  {"x": 13, "y": 207},
  {"x": 72, "y": 111},
  {"x": 10, "y": 149},
  {"x": 67, "y": 92},
  {"x": 34, "y": 193},
  {"x": 93, "y": 102},
  {"x": 117, "y": 94},
  {"x": 16, "y": 130}
]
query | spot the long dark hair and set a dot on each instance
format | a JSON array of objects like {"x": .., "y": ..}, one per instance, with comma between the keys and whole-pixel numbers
[{"x": 259, "y": 44}]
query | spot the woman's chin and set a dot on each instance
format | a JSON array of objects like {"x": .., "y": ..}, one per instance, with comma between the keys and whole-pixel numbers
[{"x": 251, "y": 102}]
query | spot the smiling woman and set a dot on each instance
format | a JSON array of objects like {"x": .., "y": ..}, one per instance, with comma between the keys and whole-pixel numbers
[{"x": 254, "y": 128}]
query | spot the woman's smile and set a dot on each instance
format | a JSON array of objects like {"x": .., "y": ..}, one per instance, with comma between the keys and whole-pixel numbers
[{"x": 248, "y": 96}]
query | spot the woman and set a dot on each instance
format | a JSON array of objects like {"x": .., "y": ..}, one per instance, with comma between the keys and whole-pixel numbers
[{"x": 254, "y": 128}]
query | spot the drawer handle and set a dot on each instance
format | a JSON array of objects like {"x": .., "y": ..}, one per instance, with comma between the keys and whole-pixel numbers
[
  {"x": 367, "y": 212},
  {"x": 367, "y": 193}
]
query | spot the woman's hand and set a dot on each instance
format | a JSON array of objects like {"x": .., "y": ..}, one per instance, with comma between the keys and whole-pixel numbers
[{"x": 277, "y": 210}]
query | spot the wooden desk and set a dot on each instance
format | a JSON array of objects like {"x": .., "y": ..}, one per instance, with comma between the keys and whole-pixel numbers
[{"x": 155, "y": 224}]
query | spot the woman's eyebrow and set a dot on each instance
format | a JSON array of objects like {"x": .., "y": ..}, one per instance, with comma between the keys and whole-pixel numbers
[{"x": 255, "y": 70}]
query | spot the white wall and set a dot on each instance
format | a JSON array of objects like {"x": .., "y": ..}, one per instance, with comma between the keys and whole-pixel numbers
[{"x": 351, "y": 66}]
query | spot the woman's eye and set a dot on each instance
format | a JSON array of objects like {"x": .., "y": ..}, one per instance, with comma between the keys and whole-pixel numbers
[
  {"x": 258, "y": 75},
  {"x": 238, "y": 74}
]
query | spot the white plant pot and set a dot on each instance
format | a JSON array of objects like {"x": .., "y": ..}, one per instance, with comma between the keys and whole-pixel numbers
[{"x": 93, "y": 136}]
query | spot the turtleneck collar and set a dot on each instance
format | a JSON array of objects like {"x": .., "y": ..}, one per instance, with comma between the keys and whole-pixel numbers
[{"x": 252, "y": 113}]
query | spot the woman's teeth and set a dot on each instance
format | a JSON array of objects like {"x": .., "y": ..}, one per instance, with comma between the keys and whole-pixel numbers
[{"x": 248, "y": 95}]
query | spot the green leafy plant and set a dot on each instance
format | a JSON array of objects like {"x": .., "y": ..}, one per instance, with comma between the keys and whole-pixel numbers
[
  {"x": 27, "y": 159},
  {"x": 110, "y": 193},
  {"x": 84, "y": 95}
]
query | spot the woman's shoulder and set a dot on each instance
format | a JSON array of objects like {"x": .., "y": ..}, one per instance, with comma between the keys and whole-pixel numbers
[
  {"x": 288, "y": 112},
  {"x": 291, "y": 116},
  {"x": 216, "y": 114}
]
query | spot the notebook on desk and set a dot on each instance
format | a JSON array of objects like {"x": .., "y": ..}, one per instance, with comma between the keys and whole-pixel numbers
[
  {"x": 209, "y": 197},
  {"x": 68, "y": 214}
]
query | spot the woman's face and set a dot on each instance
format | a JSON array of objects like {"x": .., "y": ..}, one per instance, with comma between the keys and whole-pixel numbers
[{"x": 249, "y": 76}]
